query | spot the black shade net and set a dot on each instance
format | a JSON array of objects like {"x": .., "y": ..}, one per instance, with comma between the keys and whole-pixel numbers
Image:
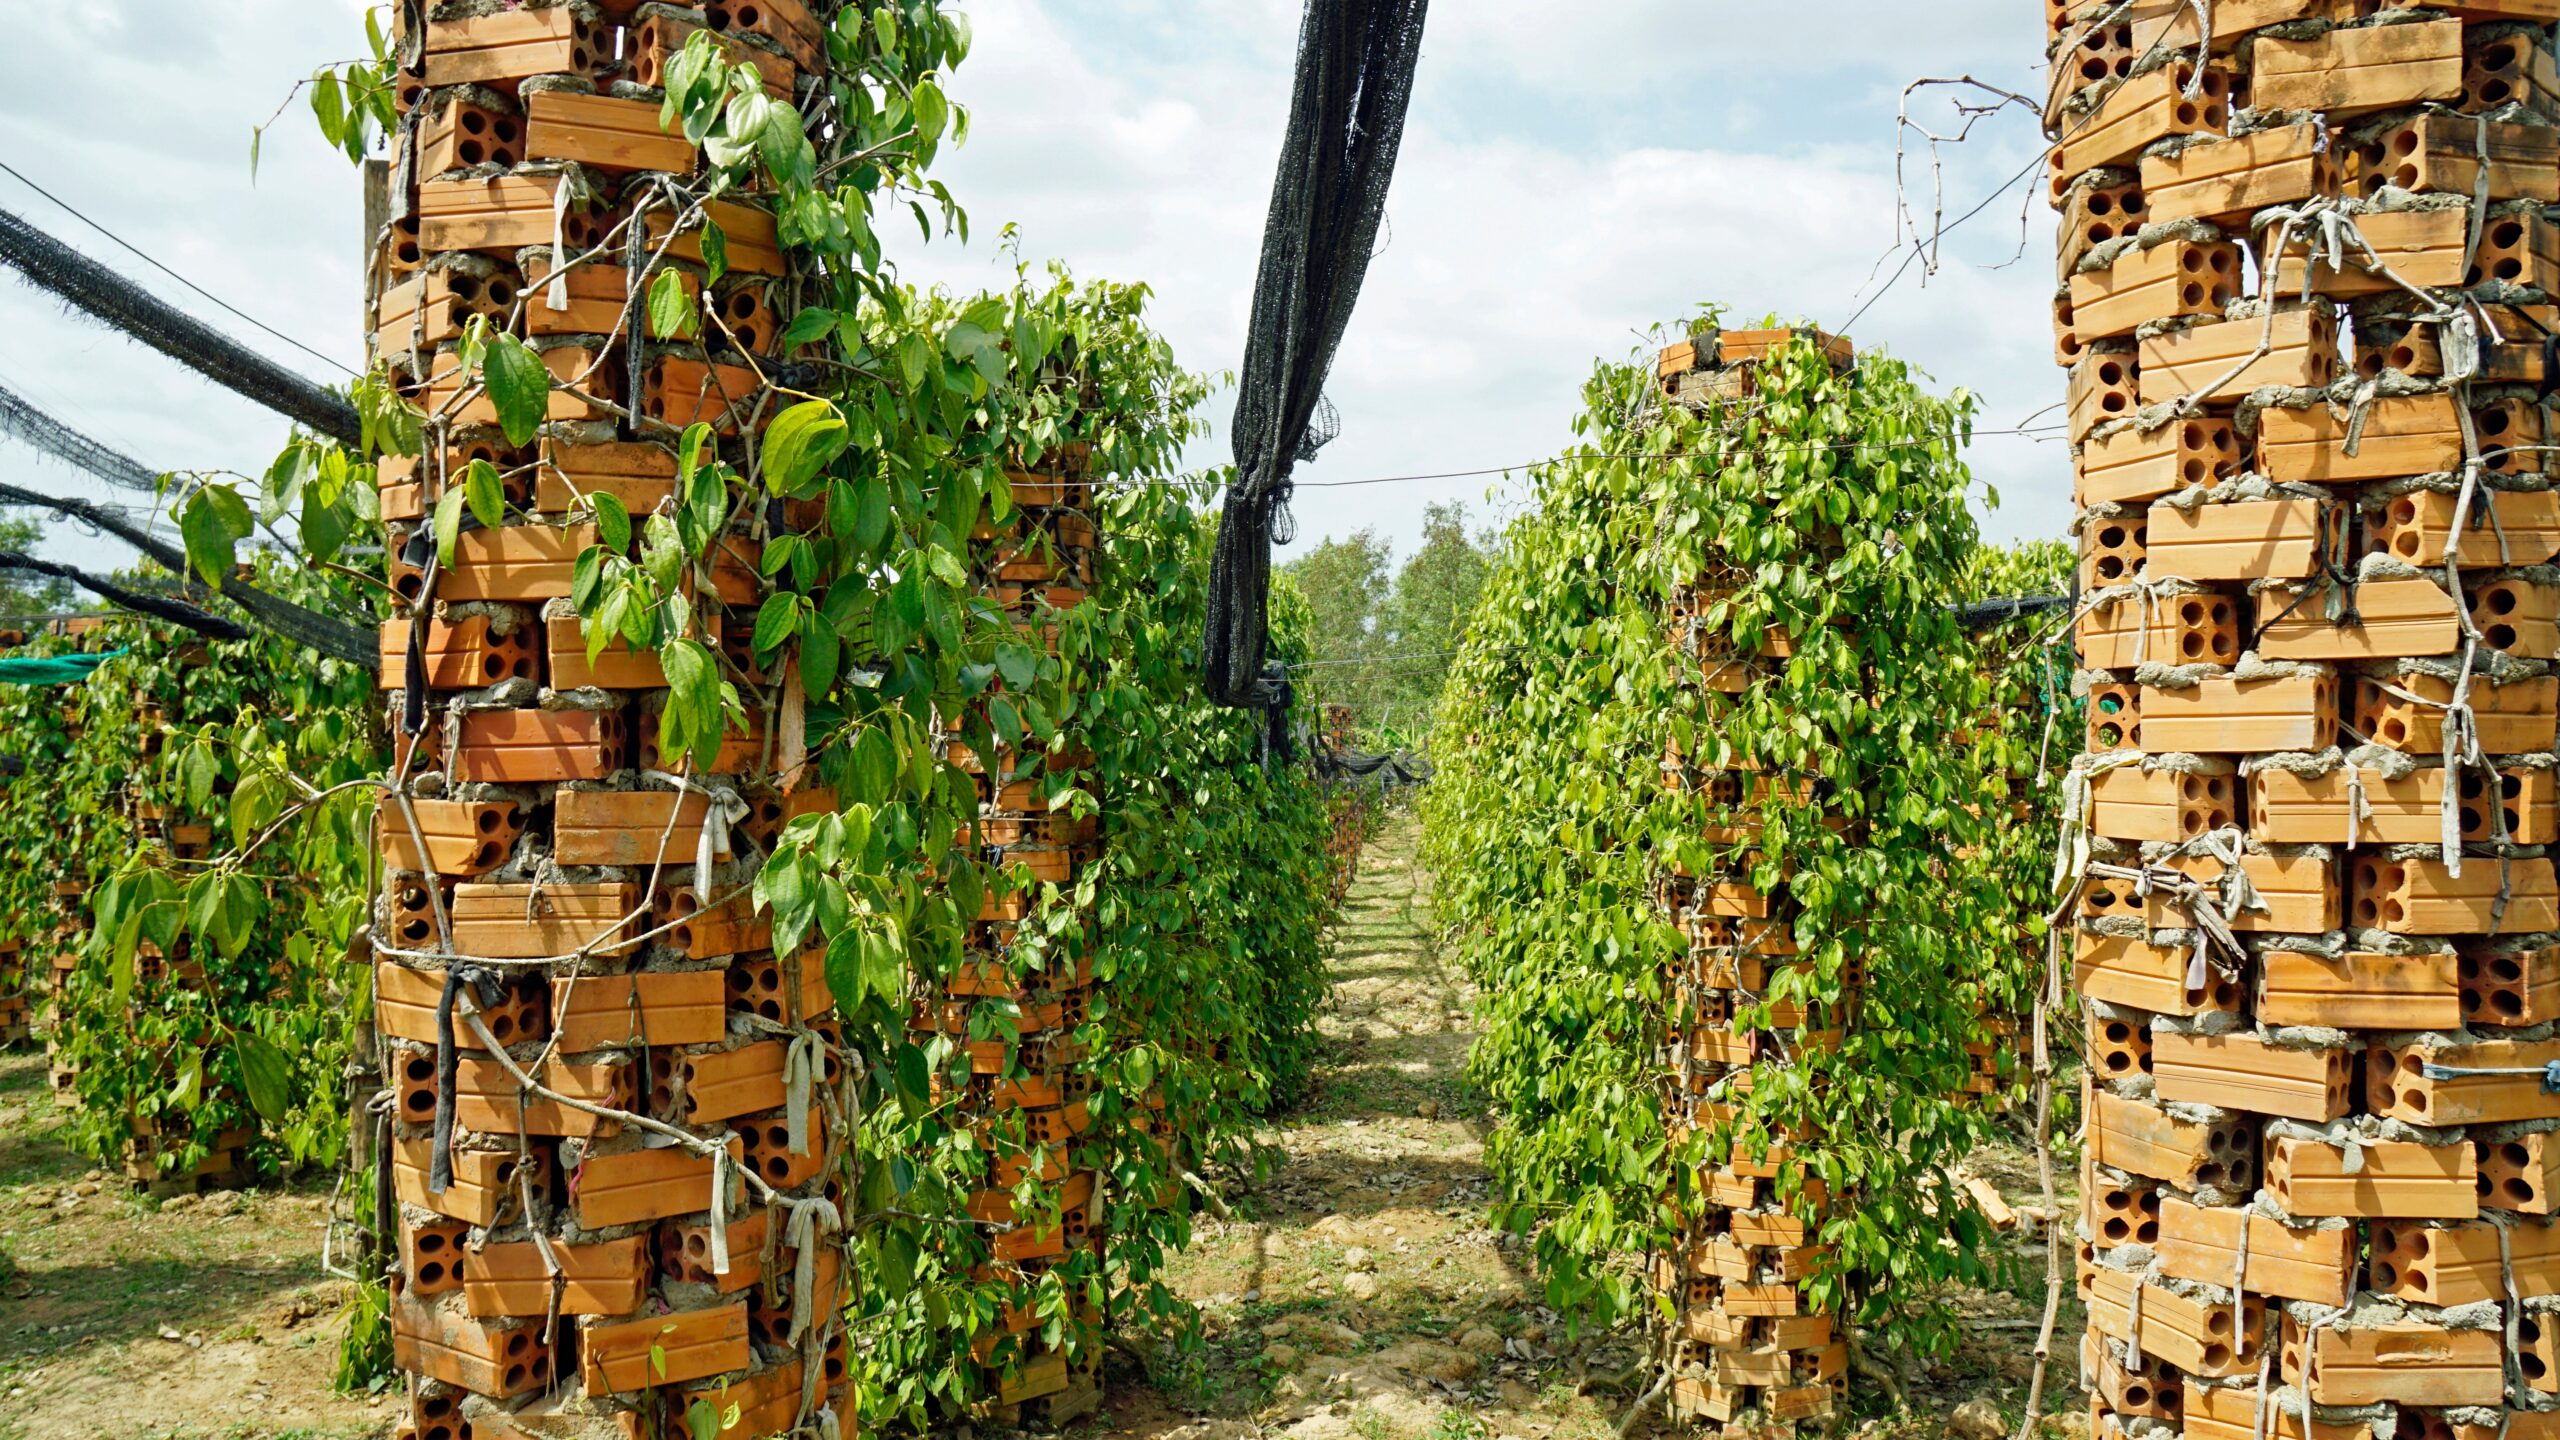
[
  {"x": 1987, "y": 614},
  {"x": 159, "y": 607},
  {"x": 1356, "y": 61},
  {"x": 21, "y": 420},
  {"x": 308, "y": 628},
  {"x": 1392, "y": 767},
  {"x": 115, "y": 301}
]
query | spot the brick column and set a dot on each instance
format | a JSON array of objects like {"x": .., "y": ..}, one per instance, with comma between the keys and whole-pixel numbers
[
  {"x": 576, "y": 895},
  {"x": 1754, "y": 1356},
  {"x": 2307, "y": 831}
]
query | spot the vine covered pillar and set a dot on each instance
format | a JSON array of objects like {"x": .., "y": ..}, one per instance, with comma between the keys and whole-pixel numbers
[
  {"x": 1748, "y": 1342},
  {"x": 2307, "y": 263},
  {"x": 1023, "y": 991},
  {"x": 621, "y": 1128}
]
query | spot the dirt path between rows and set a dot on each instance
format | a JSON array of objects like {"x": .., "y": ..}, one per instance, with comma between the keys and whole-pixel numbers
[
  {"x": 1358, "y": 1291},
  {"x": 121, "y": 1317}
]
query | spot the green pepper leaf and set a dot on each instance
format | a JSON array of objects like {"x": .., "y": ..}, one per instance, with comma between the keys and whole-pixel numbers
[{"x": 519, "y": 387}]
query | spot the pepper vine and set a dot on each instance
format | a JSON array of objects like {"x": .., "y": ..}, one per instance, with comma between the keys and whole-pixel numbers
[
  {"x": 208, "y": 993},
  {"x": 900, "y": 422},
  {"x": 1824, "y": 512}
]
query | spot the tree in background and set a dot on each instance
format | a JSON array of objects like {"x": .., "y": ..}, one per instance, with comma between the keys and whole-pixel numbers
[
  {"x": 1345, "y": 582},
  {"x": 1424, "y": 619},
  {"x": 21, "y": 593},
  {"x": 1383, "y": 646}
]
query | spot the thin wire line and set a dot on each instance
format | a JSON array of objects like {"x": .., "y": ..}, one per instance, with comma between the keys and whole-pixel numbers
[
  {"x": 1913, "y": 253},
  {"x": 174, "y": 275},
  {"x": 2028, "y": 432},
  {"x": 1406, "y": 655}
]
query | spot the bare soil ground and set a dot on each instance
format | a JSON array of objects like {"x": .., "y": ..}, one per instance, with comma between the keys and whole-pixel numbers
[
  {"x": 123, "y": 1316},
  {"x": 1357, "y": 1292}
]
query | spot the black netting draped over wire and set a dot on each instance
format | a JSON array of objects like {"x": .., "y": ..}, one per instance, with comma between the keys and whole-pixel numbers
[
  {"x": 331, "y": 636},
  {"x": 1355, "y": 76},
  {"x": 118, "y": 302},
  {"x": 1390, "y": 767},
  {"x": 22, "y": 420},
  {"x": 179, "y": 612}
]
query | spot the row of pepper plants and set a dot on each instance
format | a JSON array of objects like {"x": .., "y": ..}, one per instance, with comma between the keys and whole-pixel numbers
[
  {"x": 197, "y": 999},
  {"x": 1833, "y": 509}
]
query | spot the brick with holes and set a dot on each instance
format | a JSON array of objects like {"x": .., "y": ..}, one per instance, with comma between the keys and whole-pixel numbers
[
  {"x": 2388, "y": 1179},
  {"x": 663, "y": 1349},
  {"x": 2243, "y": 539},
  {"x": 462, "y": 654},
  {"x": 684, "y": 1252},
  {"x": 606, "y": 1277},
  {"x": 2225, "y": 179},
  {"x": 2131, "y": 1383},
  {"x": 2484, "y": 1082},
  {"x": 2102, "y": 207},
  {"x": 2244, "y": 1072},
  {"x": 2167, "y": 803},
  {"x": 461, "y": 837},
  {"x": 2175, "y": 278},
  {"x": 2405, "y": 710},
  {"x": 2130, "y": 464},
  {"x": 2144, "y": 109},
  {"x": 488, "y": 1185},
  {"x": 2355, "y": 71},
  {"x": 2502, "y": 528},
  {"x": 2102, "y": 388},
  {"x": 2519, "y": 1171},
  {"x": 2219, "y": 361},
  {"x": 2425, "y": 897},
  {"x": 2509, "y": 984},
  {"x": 2142, "y": 1138},
  {"x": 2350, "y": 804},
  {"x": 2124, "y": 970},
  {"x": 2118, "y": 1048},
  {"x": 2398, "y": 617},
  {"x": 528, "y": 922},
  {"x": 503, "y": 1358},
  {"x": 2439, "y": 153},
  {"x": 2297, "y": 889},
  {"x": 2188, "y": 626},
  {"x": 2408, "y": 1362},
  {"x": 2222, "y": 715},
  {"x": 2359, "y": 989},
  {"x": 2430, "y": 1263},
  {"x": 657, "y": 1008},
  {"x": 430, "y": 1256},
  {"x": 627, "y": 1187}
]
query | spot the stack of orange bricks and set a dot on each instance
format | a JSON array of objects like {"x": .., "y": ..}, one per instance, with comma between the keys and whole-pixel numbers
[
  {"x": 2308, "y": 264},
  {"x": 13, "y": 991},
  {"x": 1028, "y": 1092},
  {"x": 580, "y": 1274},
  {"x": 1754, "y": 1359},
  {"x": 62, "y": 944}
]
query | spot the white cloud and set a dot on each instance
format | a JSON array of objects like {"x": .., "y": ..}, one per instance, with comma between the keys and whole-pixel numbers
[
  {"x": 1572, "y": 175},
  {"x": 139, "y": 112},
  {"x": 1522, "y": 245}
]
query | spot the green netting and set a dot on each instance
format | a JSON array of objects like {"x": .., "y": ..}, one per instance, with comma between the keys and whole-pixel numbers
[{"x": 52, "y": 669}]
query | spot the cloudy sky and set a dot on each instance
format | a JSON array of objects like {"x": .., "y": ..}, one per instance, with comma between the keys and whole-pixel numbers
[{"x": 1571, "y": 176}]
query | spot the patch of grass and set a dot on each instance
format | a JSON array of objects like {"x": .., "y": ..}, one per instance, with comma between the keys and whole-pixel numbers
[{"x": 1455, "y": 1424}]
